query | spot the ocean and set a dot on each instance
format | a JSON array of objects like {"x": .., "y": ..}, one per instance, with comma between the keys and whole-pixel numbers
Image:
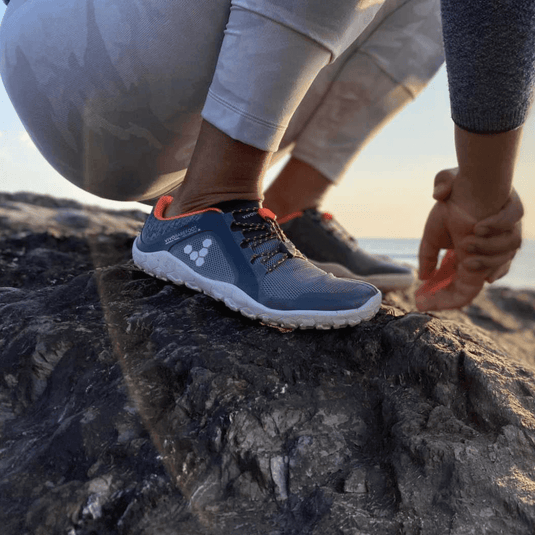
[{"x": 520, "y": 276}]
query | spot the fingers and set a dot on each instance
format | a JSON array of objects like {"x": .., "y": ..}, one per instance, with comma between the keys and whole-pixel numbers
[
  {"x": 428, "y": 257},
  {"x": 495, "y": 241},
  {"x": 462, "y": 290},
  {"x": 494, "y": 245},
  {"x": 499, "y": 272},
  {"x": 461, "y": 287},
  {"x": 497, "y": 250},
  {"x": 444, "y": 184},
  {"x": 434, "y": 238},
  {"x": 505, "y": 220},
  {"x": 475, "y": 264},
  {"x": 483, "y": 250}
]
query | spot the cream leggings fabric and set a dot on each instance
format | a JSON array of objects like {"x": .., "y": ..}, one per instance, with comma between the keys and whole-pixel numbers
[{"x": 112, "y": 92}]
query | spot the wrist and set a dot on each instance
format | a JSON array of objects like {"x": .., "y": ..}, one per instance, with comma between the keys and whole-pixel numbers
[
  {"x": 486, "y": 166},
  {"x": 476, "y": 200}
]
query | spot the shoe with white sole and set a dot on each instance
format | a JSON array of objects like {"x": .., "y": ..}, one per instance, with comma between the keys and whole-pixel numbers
[
  {"x": 331, "y": 248},
  {"x": 236, "y": 253}
]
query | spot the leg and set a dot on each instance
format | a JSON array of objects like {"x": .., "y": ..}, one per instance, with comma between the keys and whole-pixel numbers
[
  {"x": 386, "y": 68},
  {"x": 297, "y": 187},
  {"x": 344, "y": 110},
  {"x": 111, "y": 91},
  {"x": 232, "y": 249},
  {"x": 122, "y": 109}
]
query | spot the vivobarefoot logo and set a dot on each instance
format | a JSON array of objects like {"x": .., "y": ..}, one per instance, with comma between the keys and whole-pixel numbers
[
  {"x": 198, "y": 256},
  {"x": 180, "y": 235}
]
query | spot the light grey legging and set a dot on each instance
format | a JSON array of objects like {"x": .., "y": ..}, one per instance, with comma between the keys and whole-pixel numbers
[{"x": 112, "y": 92}]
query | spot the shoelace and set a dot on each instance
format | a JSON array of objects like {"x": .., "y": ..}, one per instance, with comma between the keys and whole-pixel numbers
[
  {"x": 265, "y": 231},
  {"x": 331, "y": 225}
]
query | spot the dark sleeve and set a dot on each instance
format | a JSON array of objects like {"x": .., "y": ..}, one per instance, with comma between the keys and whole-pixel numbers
[
  {"x": 6, "y": 2},
  {"x": 490, "y": 58}
]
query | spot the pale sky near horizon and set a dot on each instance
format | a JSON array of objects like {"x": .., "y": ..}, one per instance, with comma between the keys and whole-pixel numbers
[{"x": 386, "y": 192}]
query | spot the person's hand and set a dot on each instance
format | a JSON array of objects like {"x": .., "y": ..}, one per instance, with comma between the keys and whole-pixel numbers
[
  {"x": 479, "y": 250},
  {"x": 452, "y": 286},
  {"x": 496, "y": 239}
]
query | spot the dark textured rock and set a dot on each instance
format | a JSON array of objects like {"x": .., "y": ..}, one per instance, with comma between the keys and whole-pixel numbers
[{"x": 132, "y": 406}]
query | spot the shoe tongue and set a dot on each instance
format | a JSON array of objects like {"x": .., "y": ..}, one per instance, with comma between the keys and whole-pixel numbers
[
  {"x": 313, "y": 214},
  {"x": 242, "y": 210},
  {"x": 249, "y": 212},
  {"x": 327, "y": 221}
]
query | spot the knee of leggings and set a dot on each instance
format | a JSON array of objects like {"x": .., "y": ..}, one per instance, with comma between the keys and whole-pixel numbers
[{"x": 125, "y": 184}]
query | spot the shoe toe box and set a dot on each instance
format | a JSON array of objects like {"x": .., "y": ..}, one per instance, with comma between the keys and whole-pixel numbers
[{"x": 305, "y": 287}]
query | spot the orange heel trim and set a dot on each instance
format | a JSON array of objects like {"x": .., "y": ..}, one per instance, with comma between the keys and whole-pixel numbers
[{"x": 166, "y": 200}]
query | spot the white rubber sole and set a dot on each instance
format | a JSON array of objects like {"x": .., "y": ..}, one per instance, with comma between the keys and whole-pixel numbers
[
  {"x": 385, "y": 283},
  {"x": 165, "y": 266}
]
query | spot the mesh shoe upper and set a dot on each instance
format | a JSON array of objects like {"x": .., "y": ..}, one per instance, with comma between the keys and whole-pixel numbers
[{"x": 245, "y": 247}]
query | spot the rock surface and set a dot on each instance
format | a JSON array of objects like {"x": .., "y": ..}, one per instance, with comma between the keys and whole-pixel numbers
[{"x": 132, "y": 406}]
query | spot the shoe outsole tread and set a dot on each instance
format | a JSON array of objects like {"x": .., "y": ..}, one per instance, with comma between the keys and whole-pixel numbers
[{"x": 165, "y": 266}]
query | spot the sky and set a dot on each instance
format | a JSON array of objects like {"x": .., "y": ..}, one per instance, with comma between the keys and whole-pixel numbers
[{"x": 385, "y": 194}]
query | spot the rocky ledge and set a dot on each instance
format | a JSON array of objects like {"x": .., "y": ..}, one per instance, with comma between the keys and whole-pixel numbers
[{"x": 132, "y": 406}]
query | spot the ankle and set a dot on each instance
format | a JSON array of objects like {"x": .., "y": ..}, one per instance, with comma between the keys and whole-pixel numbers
[
  {"x": 299, "y": 186},
  {"x": 183, "y": 204},
  {"x": 220, "y": 169}
]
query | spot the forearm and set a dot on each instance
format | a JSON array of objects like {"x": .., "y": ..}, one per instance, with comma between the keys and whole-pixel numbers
[{"x": 490, "y": 59}]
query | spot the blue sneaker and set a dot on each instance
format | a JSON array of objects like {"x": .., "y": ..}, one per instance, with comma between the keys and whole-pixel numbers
[{"x": 238, "y": 254}]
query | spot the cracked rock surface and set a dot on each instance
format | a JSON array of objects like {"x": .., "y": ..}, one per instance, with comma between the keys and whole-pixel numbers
[{"x": 132, "y": 406}]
